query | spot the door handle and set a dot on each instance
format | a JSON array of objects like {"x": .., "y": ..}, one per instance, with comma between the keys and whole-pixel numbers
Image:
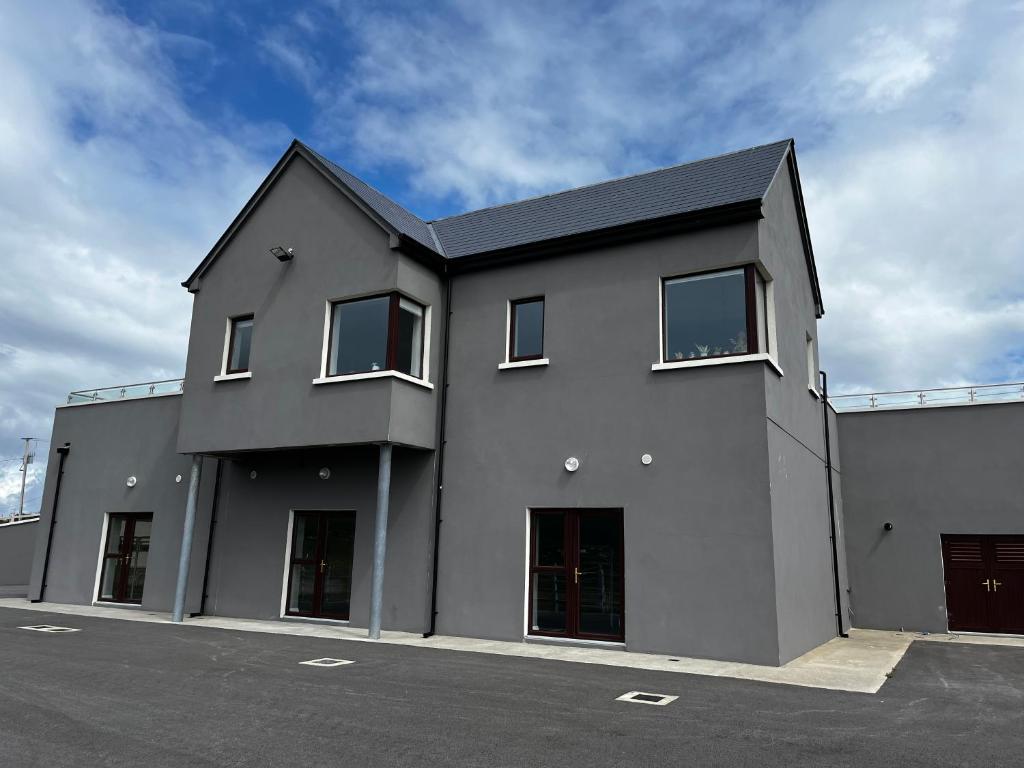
[
  {"x": 577, "y": 573},
  {"x": 996, "y": 585},
  {"x": 323, "y": 564},
  {"x": 988, "y": 585}
]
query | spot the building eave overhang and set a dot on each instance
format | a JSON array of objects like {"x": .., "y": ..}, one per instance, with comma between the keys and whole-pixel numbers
[
  {"x": 805, "y": 232},
  {"x": 650, "y": 228}
]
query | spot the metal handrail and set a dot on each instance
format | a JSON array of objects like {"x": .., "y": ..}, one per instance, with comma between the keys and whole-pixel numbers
[
  {"x": 127, "y": 391},
  {"x": 929, "y": 398}
]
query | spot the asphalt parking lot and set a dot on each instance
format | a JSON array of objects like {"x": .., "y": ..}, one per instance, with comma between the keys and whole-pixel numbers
[{"x": 121, "y": 693}]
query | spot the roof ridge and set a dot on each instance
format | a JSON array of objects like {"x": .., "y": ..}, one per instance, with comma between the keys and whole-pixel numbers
[
  {"x": 612, "y": 180},
  {"x": 437, "y": 240},
  {"x": 361, "y": 180}
]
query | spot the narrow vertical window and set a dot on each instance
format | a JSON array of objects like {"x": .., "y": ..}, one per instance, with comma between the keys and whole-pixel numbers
[
  {"x": 239, "y": 344},
  {"x": 812, "y": 369},
  {"x": 409, "y": 344},
  {"x": 526, "y": 329}
]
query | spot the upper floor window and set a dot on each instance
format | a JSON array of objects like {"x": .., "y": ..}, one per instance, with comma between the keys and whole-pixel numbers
[
  {"x": 526, "y": 329},
  {"x": 380, "y": 333},
  {"x": 239, "y": 344},
  {"x": 714, "y": 314}
]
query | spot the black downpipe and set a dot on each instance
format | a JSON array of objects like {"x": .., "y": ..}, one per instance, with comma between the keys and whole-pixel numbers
[
  {"x": 209, "y": 540},
  {"x": 440, "y": 457},
  {"x": 63, "y": 452},
  {"x": 831, "y": 505}
]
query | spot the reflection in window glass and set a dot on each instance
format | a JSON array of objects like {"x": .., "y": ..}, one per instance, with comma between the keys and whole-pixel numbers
[
  {"x": 241, "y": 341},
  {"x": 527, "y": 329},
  {"x": 549, "y": 539},
  {"x": 548, "y": 602},
  {"x": 359, "y": 336},
  {"x": 382, "y": 333},
  {"x": 409, "y": 355},
  {"x": 706, "y": 316}
]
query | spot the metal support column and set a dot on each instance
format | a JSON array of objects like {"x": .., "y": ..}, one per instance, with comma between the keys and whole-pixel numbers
[
  {"x": 380, "y": 539},
  {"x": 184, "y": 561}
]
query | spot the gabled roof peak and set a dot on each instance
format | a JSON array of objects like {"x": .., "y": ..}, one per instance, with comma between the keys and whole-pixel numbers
[{"x": 730, "y": 185}]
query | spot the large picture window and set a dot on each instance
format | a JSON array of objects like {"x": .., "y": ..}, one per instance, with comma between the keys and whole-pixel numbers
[
  {"x": 380, "y": 333},
  {"x": 713, "y": 314}
]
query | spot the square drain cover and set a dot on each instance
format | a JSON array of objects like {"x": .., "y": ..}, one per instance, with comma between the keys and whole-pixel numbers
[
  {"x": 327, "y": 662},
  {"x": 639, "y": 697},
  {"x": 48, "y": 628}
]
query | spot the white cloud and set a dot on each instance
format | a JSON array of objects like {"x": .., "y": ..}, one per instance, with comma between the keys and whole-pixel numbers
[
  {"x": 907, "y": 118},
  {"x": 111, "y": 190}
]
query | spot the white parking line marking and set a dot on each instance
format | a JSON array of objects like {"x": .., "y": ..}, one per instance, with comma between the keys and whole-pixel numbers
[{"x": 327, "y": 662}]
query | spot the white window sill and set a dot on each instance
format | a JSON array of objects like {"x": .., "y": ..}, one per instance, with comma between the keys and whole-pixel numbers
[
  {"x": 233, "y": 376},
  {"x": 373, "y": 375},
  {"x": 706, "y": 361},
  {"x": 523, "y": 364}
]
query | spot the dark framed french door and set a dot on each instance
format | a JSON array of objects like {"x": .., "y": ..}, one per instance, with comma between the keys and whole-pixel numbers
[
  {"x": 320, "y": 564},
  {"x": 125, "y": 557},
  {"x": 984, "y": 578},
  {"x": 577, "y": 578}
]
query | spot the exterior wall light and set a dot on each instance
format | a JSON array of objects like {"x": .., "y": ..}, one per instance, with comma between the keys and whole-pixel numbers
[
  {"x": 572, "y": 464},
  {"x": 282, "y": 254},
  {"x": 646, "y": 459},
  {"x": 887, "y": 526},
  {"x": 177, "y": 478},
  {"x": 324, "y": 473},
  {"x": 252, "y": 475},
  {"x": 131, "y": 481}
]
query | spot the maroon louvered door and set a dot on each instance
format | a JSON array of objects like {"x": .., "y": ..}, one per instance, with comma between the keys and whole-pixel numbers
[
  {"x": 984, "y": 583},
  {"x": 1008, "y": 584}
]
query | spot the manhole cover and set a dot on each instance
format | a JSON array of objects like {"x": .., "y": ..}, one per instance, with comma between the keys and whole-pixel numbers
[
  {"x": 49, "y": 628},
  {"x": 639, "y": 697}
]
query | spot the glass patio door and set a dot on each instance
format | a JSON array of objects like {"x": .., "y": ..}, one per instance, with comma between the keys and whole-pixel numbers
[
  {"x": 576, "y": 574},
  {"x": 125, "y": 556},
  {"x": 320, "y": 569}
]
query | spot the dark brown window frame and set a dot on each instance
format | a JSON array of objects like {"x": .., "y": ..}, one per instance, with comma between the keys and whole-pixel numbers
[
  {"x": 392, "y": 350},
  {"x": 570, "y": 556},
  {"x": 512, "y": 306},
  {"x": 121, "y": 559},
  {"x": 233, "y": 324},
  {"x": 750, "y": 295},
  {"x": 318, "y": 558}
]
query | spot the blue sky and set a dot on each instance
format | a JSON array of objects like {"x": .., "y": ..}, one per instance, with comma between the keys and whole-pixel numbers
[{"x": 133, "y": 132}]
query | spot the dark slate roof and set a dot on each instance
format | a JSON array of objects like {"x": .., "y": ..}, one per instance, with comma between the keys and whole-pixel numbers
[
  {"x": 737, "y": 177},
  {"x": 403, "y": 221},
  {"x": 727, "y": 179}
]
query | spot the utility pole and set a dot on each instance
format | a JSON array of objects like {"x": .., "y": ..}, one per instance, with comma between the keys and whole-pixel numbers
[{"x": 24, "y": 474}]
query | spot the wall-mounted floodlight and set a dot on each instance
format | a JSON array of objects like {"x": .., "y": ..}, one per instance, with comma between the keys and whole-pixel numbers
[
  {"x": 572, "y": 464},
  {"x": 131, "y": 481},
  {"x": 282, "y": 254}
]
